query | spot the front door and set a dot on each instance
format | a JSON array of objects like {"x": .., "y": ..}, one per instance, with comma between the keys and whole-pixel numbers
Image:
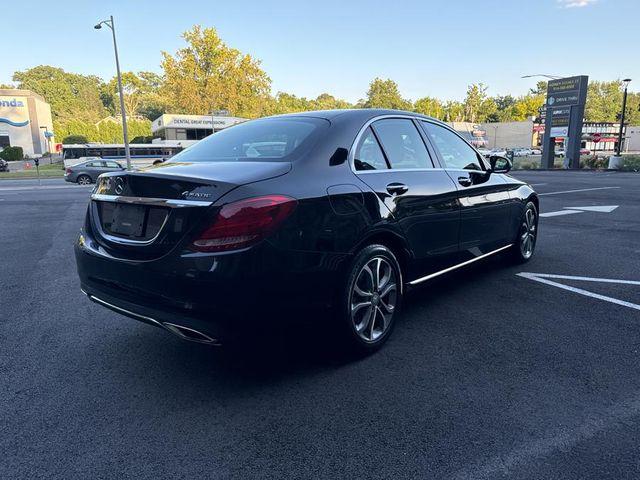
[{"x": 485, "y": 204}]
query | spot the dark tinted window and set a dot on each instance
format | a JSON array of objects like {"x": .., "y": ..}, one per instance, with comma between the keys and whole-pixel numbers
[
  {"x": 268, "y": 139},
  {"x": 369, "y": 155},
  {"x": 402, "y": 143},
  {"x": 455, "y": 152}
]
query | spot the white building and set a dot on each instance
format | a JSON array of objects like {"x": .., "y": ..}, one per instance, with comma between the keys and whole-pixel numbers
[
  {"x": 25, "y": 121},
  {"x": 190, "y": 127}
]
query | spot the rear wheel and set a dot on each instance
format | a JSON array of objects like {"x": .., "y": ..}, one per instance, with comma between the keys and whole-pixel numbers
[
  {"x": 371, "y": 300},
  {"x": 84, "y": 180},
  {"x": 523, "y": 248}
]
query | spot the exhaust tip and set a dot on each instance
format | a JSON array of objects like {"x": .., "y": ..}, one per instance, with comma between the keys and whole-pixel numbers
[{"x": 192, "y": 335}]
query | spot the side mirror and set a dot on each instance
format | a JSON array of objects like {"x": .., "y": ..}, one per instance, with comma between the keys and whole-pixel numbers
[{"x": 499, "y": 164}]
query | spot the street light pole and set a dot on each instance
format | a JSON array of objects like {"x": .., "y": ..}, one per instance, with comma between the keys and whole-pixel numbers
[
  {"x": 625, "y": 82},
  {"x": 110, "y": 23}
]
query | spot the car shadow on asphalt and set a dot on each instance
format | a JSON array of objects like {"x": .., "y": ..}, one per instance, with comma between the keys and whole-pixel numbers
[{"x": 293, "y": 346}]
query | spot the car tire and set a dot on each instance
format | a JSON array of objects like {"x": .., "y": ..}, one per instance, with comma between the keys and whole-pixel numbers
[
  {"x": 524, "y": 245},
  {"x": 370, "y": 301},
  {"x": 84, "y": 180}
]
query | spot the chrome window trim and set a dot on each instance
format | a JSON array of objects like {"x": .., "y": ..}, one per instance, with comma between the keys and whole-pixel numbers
[
  {"x": 455, "y": 267},
  {"x": 150, "y": 201},
  {"x": 481, "y": 158},
  {"x": 354, "y": 145}
]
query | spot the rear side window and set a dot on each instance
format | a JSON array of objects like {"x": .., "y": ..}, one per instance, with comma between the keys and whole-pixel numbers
[
  {"x": 369, "y": 155},
  {"x": 402, "y": 143},
  {"x": 455, "y": 152},
  {"x": 259, "y": 140}
]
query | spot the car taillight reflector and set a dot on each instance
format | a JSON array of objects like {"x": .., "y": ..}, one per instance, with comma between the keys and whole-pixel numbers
[
  {"x": 244, "y": 223},
  {"x": 68, "y": 170}
]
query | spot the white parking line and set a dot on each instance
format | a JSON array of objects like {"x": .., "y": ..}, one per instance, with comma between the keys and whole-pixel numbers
[
  {"x": 579, "y": 190},
  {"x": 559, "y": 212},
  {"x": 543, "y": 278}
]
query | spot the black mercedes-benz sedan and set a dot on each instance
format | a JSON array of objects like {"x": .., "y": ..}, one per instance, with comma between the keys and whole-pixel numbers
[{"x": 338, "y": 210}]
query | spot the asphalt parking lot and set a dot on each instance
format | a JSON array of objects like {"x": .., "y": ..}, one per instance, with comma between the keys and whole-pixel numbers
[{"x": 493, "y": 372}]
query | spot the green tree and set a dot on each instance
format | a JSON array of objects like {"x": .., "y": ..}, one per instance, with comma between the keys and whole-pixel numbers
[
  {"x": 208, "y": 75},
  {"x": 430, "y": 106},
  {"x": 71, "y": 96},
  {"x": 141, "y": 95},
  {"x": 527, "y": 106},
  {"x": 604, "y": 101},
  {"x": 71, "y": 139},
  {"x": 288, "y": 103},
  {"x": 453, "y": 111},
  {"x": 541, "y": 89},
  {"x": 475, "y": 103},
  {"x": 324, "y": 101},
  {"x": 385, "y": 94},
  {"x": 504, "y": 109}
]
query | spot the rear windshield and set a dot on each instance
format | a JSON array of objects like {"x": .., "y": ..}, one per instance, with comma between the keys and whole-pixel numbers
[{"x": 272, "y": 139}]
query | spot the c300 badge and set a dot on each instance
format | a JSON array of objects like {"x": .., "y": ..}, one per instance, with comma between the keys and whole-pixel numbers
[{"x": 195, "y": 195}]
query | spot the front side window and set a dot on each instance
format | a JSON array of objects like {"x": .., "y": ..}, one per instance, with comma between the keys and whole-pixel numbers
[
  {"x": 455, "y": 152},
  {"x": 369, "y": 155},
  {"x": 270, "y": 139},
  {"x": 402, "y": 144}
]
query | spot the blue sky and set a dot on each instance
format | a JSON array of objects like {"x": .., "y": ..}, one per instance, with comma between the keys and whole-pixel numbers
[{"x": 433, "y": 48}]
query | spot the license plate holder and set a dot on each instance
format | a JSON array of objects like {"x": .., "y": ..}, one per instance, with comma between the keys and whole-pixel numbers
[{"x": 128, "y": 220}]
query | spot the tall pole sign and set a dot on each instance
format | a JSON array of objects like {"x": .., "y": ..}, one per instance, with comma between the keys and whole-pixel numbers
[{"x": 566, "y": 98}]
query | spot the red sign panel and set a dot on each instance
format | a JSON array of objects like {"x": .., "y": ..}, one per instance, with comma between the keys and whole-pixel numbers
[{"x": 596, "y": 137}]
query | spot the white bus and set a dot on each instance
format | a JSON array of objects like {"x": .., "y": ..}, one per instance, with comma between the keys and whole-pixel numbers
[{"x": 142, "y": 154}]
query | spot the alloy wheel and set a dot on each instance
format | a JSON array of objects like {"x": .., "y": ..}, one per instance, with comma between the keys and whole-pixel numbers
[
  {"x": 84, "y": 180},
  {"x": 374, "y": 298},
  {"x": 528, "y": 233}
]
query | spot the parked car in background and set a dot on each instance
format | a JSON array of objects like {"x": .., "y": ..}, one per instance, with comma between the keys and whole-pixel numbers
[
  {"x": 85, "y": 173},
  {"x": 4, "y": 165},
  {"x": 484, "y": 151},
  {"x": 585, "y": 151},
  {"x": 559, "y": 153},
  {"x": 522, "y": 152},
  {"x": 499, "y": 152},
  {"x": 536, "y": 151},
  {"x": 339, "y": 215}
]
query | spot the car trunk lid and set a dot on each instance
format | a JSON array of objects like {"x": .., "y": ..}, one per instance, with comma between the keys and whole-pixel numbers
[{"x": 143, "y": 214}]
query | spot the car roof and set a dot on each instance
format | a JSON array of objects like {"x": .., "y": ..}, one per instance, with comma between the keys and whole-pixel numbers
[{"x": 355, "y": 113}]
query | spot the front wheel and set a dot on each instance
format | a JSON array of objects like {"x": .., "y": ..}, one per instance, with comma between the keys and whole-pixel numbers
[
  {"x": 371, "y": 300},
  {"x": 522, "y": 250}
]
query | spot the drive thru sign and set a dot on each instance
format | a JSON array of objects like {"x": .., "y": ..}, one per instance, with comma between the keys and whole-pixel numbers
[{"x": 566, "y": 98}]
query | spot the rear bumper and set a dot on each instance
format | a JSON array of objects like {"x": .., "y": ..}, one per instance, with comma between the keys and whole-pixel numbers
[{"x": 210, "y": 293}]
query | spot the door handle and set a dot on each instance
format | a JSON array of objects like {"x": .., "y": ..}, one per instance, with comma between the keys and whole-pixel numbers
[
  {"x": 397, "y": 188},
  {"x": 465, "y": 181}
]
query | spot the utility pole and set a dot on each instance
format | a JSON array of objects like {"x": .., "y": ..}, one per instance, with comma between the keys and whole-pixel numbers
[{"x": 125, "y": 133}]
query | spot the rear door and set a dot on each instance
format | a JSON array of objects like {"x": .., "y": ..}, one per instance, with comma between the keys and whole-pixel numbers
[
  {"x": 391, "y": 157},
  {"x": 111, "y": 166},
  {"x": 485, "y": 204}
]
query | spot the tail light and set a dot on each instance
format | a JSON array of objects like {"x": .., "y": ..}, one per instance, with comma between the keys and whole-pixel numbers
[
  {"x": 244, "y": 223},
  {"x": 68, "y": 171}
]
